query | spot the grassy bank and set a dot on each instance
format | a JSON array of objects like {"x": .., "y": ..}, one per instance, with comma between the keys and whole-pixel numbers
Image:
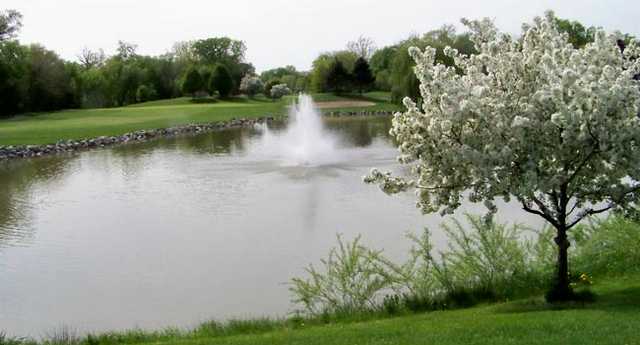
[
  {"x": 612, "y": 319},
  {"x": 45, "y": 128}
]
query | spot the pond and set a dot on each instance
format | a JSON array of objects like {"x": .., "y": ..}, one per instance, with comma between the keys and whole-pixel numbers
[{"x": 177, "y": 231}]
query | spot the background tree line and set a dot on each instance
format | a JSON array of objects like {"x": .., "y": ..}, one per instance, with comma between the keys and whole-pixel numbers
[
  {"x": 392, "y": 67},
  {"x": 34, "y": 79}
]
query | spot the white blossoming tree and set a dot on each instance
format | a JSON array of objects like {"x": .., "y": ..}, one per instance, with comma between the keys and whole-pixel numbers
[
  {"x": 251, "y": 85},
  {"x": 532, "y": 119},
  {"x": 280, "y": 90}
]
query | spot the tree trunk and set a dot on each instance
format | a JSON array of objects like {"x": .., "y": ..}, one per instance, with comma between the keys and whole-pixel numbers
[{"x": 561, "y": 290}]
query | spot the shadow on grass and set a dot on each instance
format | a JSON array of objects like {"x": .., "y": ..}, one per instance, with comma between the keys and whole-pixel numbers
[
  {"x": 625, "y": 300},
  {"x": 363, "y": 97},
  {"x": 245, "y": 99},
  {"x": 203, "y": 100}
]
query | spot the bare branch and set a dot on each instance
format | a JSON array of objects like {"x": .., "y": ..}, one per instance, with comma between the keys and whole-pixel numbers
[
  {"x": 547, "y": 217},
  {"x": 589, "y": 212},
  {"x": 573, "y": 208},
  {"x": 363, "y": 47},
  {"x": 90, "y": 59}
]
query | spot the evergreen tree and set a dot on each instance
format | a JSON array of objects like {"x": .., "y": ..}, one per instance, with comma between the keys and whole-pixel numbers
[
  {"x": 338, "y": 78},
  {"x": 192, "y": 82},
  {"x": 221, "y": 81},
  {"x": 206, "y": 73},
  {"x": 362, "y": 75}
]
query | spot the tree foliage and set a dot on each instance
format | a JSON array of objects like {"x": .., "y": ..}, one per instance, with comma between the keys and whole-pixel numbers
[
  {"x": 193, "y": 82},
  {"x": 536, "y": 119},
  {"x": 362, "y": 76},
  {"x": 13, "y": 85},
  {"x": 579, "y": 35},
  {"x": 323, "y": 64},
  {"x": 294, "y": 79},
  {"x": 35, "y": 79},
  {"x": 145, "y": 93},
  {"x": 221, "y": 81},
  {"x": 339, "y": 79},
  {"x": 380, "y": 64},
  {"x": 278, "y": 73},
  {"x": 219, "y": 50},
  {"x": 127, "y": 50},
  {"x": 10, "y": 24},
  {"x": 402, "y": 78},
  {"x": 49, "y": 80}
]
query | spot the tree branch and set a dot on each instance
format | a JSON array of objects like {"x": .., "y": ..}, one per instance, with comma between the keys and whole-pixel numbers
[
  {"x": 542, "y": 206},
  {"x": 587, "y": 213},
  {"x": 547, "y": 217},
  {"x": 581, "y": 165},
  {"x": 573, "y": 208}
]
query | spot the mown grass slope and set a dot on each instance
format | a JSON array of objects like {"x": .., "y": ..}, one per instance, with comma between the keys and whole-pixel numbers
[{"x": 46, "y": 128}]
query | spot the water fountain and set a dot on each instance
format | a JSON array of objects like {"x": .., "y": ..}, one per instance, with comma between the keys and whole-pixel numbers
[{"x": 305, "y": 142}]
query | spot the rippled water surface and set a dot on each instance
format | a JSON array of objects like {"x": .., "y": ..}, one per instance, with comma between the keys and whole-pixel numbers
[{"x": 177, "y": 231}]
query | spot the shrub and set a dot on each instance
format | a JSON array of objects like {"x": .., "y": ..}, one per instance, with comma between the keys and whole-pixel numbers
[
  {"x": 6, "y": 340},
  {"x": 269, "y": 85},
  {"x": 392, "y": 304},
  {"x": 251, "y": 85},
  {"x": 492, "y": 259},
  {"x": 280, "y": 90},
  {"x": 417, "y": 278},
  {"x": 488, "y": 262},
  {"x": 350, "y": 282},
  {"x": 607, "y": 247},
  {"x": 485, "y": 261},
  {"x": 145, "y": 93}
]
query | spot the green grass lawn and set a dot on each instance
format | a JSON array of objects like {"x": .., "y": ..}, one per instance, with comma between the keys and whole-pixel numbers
[
  {"x": 46, "y": 128},
  {"x": 613, "y": 319}
]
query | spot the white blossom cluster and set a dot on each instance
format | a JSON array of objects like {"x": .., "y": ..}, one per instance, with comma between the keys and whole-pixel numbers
[
  {"x": 530, "y": 118},
  {"x": 251, "y": 85},
  {"x": 279, "y": 90}
]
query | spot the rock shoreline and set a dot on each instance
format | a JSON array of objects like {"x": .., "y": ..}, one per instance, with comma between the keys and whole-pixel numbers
[{"x": 69, "y": 146}]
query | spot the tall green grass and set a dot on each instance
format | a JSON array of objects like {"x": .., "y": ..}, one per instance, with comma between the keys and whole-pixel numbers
[
  {"x": 487, "y": 262},
  {"x": 484, "y": 262},
  {"x": 606, "y": 247}
]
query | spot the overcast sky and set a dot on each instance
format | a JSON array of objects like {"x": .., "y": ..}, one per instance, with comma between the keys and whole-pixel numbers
[{"x": 283, "y": 32}]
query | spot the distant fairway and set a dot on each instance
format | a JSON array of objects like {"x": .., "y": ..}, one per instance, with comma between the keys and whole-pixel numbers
[{"x": 45, "y": 128}]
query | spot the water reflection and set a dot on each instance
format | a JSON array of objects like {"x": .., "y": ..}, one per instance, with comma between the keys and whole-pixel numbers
[
  {"x": 362, "y": 131},
  {"x": 25, "y": 185},
  {"x": 17, "y": 202},
  {"x": 356, "y": 132}
]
